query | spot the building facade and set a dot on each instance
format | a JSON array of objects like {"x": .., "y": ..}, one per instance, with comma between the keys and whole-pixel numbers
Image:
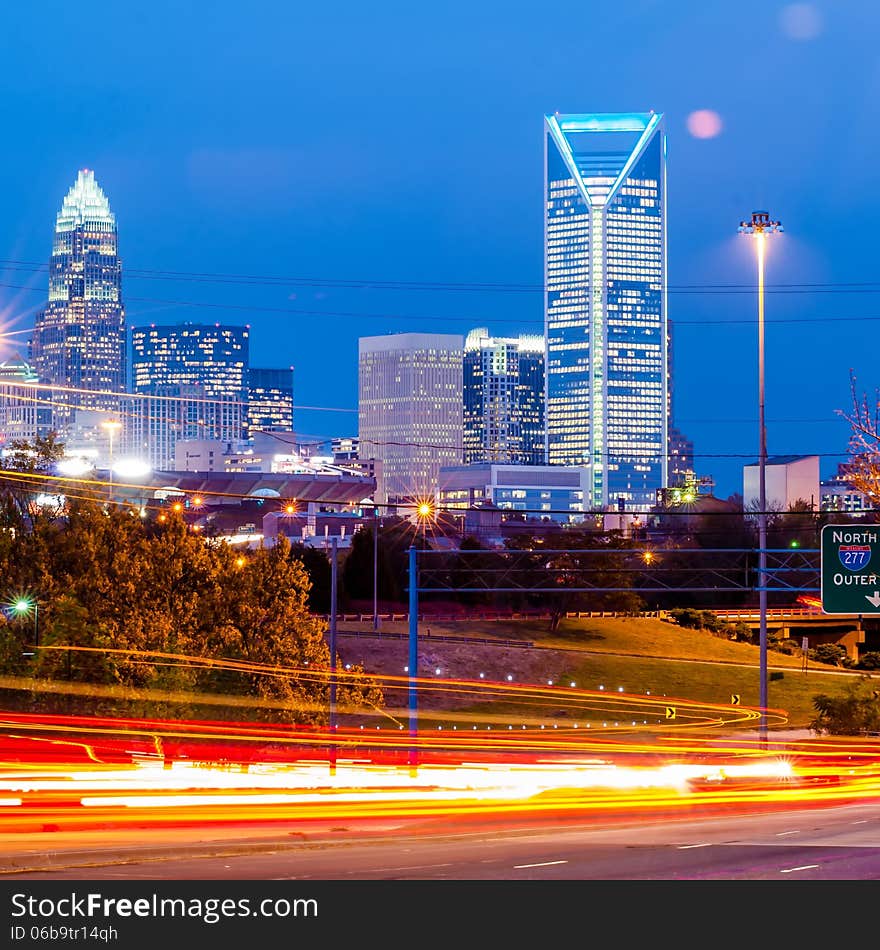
[
  {"x": 605, "y": 302},
  {"x": 25, "y": 411},
  {"x": 79, "y": 337},
  {"x": 410, "y": 408},
  {"x": 270, "y": 400},
  {"x": 155, "y": 423},
  {"x": 503, "y": 399},
  {"x": 788, "y": 480},
  {"x": 211, "y": 356},
  {"x": 549, "y": 492}
]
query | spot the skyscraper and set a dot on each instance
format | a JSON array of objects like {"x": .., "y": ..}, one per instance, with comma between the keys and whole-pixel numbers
[
  {"x": 605, "y": 302},
  {"x": 212, "y": 356},
  {"x": 270, "y": 400},
  {"x": 410, "y": 408},
  {"x": 79, "y": 338},
  {"x": 503, "y": 398}
]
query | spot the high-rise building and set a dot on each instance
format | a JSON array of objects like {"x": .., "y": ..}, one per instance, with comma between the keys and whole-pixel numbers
[
  {"x": 79, "y": 337},
  {"x": 410, "y": 408},
  {"x": 155, "y": 423},
  {"x": 270, "y": 400},
  {"x": 25, "y": 411},
  {"x": 212, "y": 356},
  {"x": 605, "y": 302},
  {"x": 503, "y": 398}
]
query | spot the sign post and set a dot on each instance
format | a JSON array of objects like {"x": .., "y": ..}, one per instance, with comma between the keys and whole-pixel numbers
[{"x": 850, "y": 571}]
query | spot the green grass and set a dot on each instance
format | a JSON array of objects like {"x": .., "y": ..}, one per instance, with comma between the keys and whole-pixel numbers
[{"x": 656, "y": 657}]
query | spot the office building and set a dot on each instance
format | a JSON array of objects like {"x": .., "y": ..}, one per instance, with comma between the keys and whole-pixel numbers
[
  {"x": 410, "y": 408},
  {"x": 270, "y": 400},
  {"x": 788, "y": 480},
  {"x": 503, "y": 398},
  {"x": 25, "y": 411},
  {"x": 538, "y": 492},
  {"x": 79, "y": 336},
  {"x": 155, "y": 423},
  {"x": 605, "y": 302}
]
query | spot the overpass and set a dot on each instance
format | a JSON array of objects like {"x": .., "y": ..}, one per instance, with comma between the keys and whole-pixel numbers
[{"x": 803, "y": 623}]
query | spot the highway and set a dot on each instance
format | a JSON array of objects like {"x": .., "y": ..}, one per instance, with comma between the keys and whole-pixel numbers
[{"x": 827, "y": 844}]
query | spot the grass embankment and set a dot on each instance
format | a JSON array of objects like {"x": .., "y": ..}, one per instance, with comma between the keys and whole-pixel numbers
[{"x": 649, "y": 656}]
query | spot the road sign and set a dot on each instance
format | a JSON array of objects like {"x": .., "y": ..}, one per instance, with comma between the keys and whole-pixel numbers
[
  {"x": 850, "y": 569},
  {"x": 734, "y": 699},
  {"x": 670, "y": 712}
]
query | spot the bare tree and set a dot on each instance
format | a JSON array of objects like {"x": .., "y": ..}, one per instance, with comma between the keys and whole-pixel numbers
[{"x": 863, "y": 468}]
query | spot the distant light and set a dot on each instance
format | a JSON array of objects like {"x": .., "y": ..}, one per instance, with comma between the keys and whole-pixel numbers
[
  {"x": 132, "y": 468},
  {"x": 22, "y": 606},
  {"x": 509, "y": 678},
  {"x": 74, "y": 466},
  {"x": 437, "y": 671},
  {"x": 50, "y": 501},
  {"x": 704, "y": 124},
  {"x": 572, "y": 684}
]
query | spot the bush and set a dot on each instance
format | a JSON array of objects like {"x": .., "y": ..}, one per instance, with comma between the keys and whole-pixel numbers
[
  {"x": 869, "y": 661},
  {"x": 855, "y": 713},
  {"x": 831, "y": 653}
]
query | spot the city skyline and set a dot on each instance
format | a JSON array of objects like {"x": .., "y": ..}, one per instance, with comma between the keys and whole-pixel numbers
[{"x": 200, "y": 194}]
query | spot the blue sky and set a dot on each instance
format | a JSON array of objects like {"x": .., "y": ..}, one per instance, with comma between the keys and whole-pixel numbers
[{"x": 401, "y": 142}]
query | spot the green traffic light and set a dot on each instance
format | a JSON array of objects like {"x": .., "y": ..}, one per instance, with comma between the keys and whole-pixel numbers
[{"x": 22, "y": 606}]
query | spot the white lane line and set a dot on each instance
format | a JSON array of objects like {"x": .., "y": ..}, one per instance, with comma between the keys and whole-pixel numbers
[
  {"x": 803, "y": 867},
  {"x": 410, "y": 867},
  {"x": 542, "y": 864},
  {"x": 782, "y": 834},
  {"x": 685, "y": 847},
  {"x": 861, "y": 821}
]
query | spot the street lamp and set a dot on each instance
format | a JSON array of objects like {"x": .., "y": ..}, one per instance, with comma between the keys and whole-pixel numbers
[
  {"x": 760, "y": 226},
  {"x": 25, "y": 606},
  {"x": 375, "y": 566},
  {"x": 425, "y": 511},
  {"x": 111, "y": 425}
]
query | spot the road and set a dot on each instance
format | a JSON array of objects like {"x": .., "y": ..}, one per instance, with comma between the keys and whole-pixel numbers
[{"x": 819, "y": 844}]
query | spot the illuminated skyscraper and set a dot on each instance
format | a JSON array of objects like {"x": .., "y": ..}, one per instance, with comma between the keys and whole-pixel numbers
[
  {"x": 270, "y": 400},
  {"x": 410, "y": 408},
  {"x": 79, "y": 338},
  {"x": 212, "y": 356},
  {"x": 503, "y": 398},
  {"x": 605, "y": 302}
]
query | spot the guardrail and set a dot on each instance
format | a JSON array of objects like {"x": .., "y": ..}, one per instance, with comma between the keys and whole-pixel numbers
[{"x": 434, "y": 636}]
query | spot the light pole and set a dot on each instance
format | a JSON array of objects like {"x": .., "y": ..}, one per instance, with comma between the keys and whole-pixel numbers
[
  {"x": 375, "y": 566},
  {"x": 25, "y": 606},
  {"x": 760, "y": 226},
  {"x": 111, "y": 425}
]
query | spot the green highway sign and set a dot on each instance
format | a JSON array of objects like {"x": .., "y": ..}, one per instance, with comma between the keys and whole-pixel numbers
[{"x": 850, "y": 569}]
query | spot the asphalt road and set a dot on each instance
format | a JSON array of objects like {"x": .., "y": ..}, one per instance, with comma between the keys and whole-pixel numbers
[{"x": 841, "y": 843}]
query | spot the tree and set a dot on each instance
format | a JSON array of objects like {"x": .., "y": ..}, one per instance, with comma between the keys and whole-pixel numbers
[
  {"x": 24, "y": 478},
  {"x": 863, "y": 468},
  {"x": 855, "y": 713}
]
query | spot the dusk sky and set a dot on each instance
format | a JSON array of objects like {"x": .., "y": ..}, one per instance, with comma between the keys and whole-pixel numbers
[{"x": 402, "y": 143}]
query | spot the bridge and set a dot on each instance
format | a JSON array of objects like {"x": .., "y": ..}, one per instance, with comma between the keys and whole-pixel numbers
[{"x": 803, "y": 623}]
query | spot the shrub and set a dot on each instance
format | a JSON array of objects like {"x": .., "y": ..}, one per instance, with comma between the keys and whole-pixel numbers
[
  {"x": 855, "y": 713},
  {"x": 831, "y": 653},
  {"x": 869, "y": 661}
]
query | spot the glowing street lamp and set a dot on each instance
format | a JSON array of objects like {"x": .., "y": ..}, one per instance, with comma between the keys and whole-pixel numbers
[
  {"x": 425, "y": 512},
  {"x": 760, "y": 225}
]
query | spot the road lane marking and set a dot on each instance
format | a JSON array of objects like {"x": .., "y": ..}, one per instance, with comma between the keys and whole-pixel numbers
[
  {"x": 803, "y": 867},
  {"x": 410, "y": 867},
  {"x": 781, "y": 834},
  {"x": 685, "y": 847},
  {"x": 542, "y": 864}
]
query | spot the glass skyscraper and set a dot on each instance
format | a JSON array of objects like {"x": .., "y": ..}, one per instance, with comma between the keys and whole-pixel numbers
[
  {"x": 79, "y": 337},
  {"x": 503, "y": 398},
  {"x": 605, "y": 302},
  {"x": 270, "y": 400},
  {"x": 410, "y": 408},
  {"x": 212, "y": 356}
]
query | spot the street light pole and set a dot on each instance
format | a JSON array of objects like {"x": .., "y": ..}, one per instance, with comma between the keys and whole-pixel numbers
[
  {"x": 375, "y": 566},
  {"x": 111, "y": 426},
  {"x": 760, "y": 225}
]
